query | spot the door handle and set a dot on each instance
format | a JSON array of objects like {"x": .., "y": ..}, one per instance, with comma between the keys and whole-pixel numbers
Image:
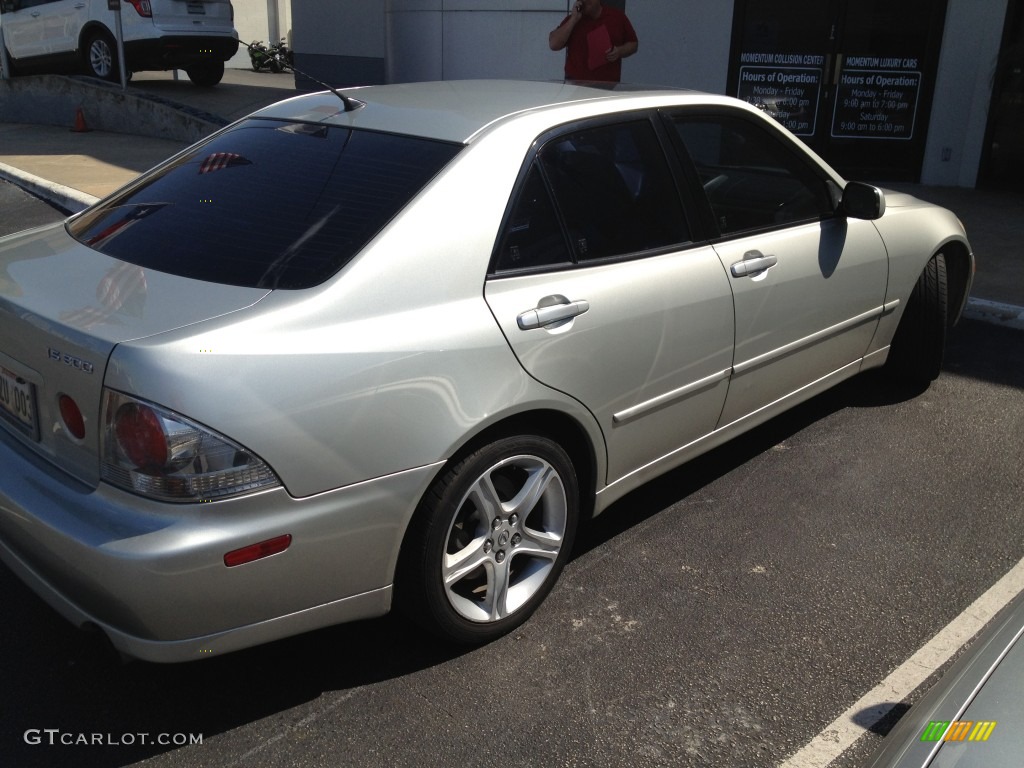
[
  {"x": 753, "y": 262},
  {"x": 553, "y": 313}
]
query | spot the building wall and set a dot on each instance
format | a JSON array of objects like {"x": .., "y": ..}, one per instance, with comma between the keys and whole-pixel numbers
[
  {"x": 963, "y": 91},
  {"x": 253, "y": 21},
  {"x": 466, "y": 39},
  {"x": 684, "y": 43},
  {"x": 340, "y": 43}
]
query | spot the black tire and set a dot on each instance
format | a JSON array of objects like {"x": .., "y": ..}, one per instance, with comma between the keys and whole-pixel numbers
[
  {"x": 489, "y": 540},
  {"x": 918, "y": 348},
  {"x": 206, "y": 75},
  {"x": 99, "y": 57}
]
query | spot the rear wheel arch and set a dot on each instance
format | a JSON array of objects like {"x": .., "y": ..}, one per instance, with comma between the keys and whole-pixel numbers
[
  {"x": 97, "y": 31},
  {"x": 495, "y": 526},
  {"x": 90, "y": 29},
  {"x": 554, "y": 425}
]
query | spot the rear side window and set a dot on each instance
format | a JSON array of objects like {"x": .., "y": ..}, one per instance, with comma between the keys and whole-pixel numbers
[
  {"x": 592, "y": 194},
  {"x": 268, "y": 204},
  {"x": 752, "y": 179}
]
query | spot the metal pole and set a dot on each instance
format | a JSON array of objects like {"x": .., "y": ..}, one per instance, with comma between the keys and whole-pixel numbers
[
  {"x": 5, "y": 65},
  {"x": 123, "y": 65},
  {"x": 115, "y": 5}
]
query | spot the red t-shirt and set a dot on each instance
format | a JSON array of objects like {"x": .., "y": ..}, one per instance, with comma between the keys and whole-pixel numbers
[{"x": 591, "y": 39}]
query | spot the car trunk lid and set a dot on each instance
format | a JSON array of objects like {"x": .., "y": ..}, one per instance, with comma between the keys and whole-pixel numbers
[{"x": 63, "y": 309}]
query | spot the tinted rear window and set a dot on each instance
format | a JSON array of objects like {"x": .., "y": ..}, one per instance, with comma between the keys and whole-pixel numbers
[{"x": 268, "y": 204}]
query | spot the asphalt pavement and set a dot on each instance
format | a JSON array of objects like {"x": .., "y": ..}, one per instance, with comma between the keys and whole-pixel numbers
[{"x": 44, "y": 150}]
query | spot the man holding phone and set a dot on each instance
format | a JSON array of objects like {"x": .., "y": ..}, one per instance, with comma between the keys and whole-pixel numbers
[{"x": 597, "y": 39}]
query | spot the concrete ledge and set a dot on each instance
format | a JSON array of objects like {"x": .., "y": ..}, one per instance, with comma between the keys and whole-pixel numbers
[{"x": 56, "y": 99}]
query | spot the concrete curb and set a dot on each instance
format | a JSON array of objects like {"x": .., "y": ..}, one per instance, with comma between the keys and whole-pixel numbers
[
  {"x": 65, "y": 198},
  {"x": 73, "y": 201},
  {"x": 1006, "y": 315}
]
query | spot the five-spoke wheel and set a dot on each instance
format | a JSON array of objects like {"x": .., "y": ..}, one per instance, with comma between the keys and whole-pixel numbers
[{"x": 490, "y": 539}]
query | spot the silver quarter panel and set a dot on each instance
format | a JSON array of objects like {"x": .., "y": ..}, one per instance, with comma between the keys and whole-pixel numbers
[{"x": 393, "y": 364}]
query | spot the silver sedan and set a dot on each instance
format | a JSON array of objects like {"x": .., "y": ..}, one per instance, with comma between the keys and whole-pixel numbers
[{"x": 389, "y": 347}]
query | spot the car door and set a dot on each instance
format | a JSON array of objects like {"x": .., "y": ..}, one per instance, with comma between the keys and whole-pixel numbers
[
  {"x": 809, "y": 285},
  {"x": 23, "y": 28},
  {"x": 65, "y": 20},
  {"x": 44, "y": 27},
  {"x": 603, "y": 295}
]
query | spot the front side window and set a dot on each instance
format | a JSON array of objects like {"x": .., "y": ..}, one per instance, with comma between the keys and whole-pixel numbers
[
  {"x": 751, "y": 178},
  {"x": 267, "y": 204}
]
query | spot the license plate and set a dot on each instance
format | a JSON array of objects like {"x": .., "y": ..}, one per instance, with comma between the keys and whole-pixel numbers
[
  {"x": 196, "y": 6},
  {"x": 17, "y": 401}
]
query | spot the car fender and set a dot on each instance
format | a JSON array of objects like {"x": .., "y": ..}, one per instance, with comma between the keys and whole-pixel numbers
[{"x": 913, "y": 232}]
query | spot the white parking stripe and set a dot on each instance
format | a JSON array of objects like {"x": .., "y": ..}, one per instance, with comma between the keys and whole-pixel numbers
[{"x": 842, "y": 732}]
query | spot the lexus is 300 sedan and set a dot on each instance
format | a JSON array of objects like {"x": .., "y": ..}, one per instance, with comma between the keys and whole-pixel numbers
[{"x": 389, "y": 348}]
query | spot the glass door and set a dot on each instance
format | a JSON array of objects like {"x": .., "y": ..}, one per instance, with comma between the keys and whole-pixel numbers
[{"x": 852, "y": 79}]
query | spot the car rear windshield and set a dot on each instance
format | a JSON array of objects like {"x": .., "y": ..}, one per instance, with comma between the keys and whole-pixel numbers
[{"x": 266, "y": 204}]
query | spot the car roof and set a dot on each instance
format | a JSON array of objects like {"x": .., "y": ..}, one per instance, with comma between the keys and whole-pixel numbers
[{"x": 459, "y": 110}]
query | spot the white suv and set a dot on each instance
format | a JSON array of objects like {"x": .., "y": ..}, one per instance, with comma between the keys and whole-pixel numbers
[{"x": 195, "y": 35}]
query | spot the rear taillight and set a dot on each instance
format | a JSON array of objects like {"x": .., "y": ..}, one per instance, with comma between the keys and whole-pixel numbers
[
  {"x": 158, "y": 453},
  {"x": 142, "y": 7},
  {"x": 140, "y": 436}
]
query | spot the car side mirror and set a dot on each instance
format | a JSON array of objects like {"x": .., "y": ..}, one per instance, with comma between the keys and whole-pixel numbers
[{"x": 862, "y": 201}]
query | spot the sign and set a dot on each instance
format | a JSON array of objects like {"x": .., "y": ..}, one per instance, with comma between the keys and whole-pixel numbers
[
  {"x": 786, "y": 86},
  {"x": 876, "y": 98}
]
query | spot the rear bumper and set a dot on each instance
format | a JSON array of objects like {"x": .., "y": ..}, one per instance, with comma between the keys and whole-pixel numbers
[
  {"x": 179, "y": 51},
  {"x": 152, "y": 576}
]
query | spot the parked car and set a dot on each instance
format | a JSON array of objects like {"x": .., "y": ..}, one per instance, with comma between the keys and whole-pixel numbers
[
  {"x": 197, "y": 36},
  {"x": 971, "y": 717},
  {"x": 470, "y": 315}
]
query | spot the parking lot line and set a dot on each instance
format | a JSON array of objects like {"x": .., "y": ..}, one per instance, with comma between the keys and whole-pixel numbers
[{"x": 842, "y": 732}]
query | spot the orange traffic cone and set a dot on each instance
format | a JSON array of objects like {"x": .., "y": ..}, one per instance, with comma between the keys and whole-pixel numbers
[{"x": 80, "y": 126}]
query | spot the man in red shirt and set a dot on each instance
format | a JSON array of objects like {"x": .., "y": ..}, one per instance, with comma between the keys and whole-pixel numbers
[{"x": 598, "y": 38}]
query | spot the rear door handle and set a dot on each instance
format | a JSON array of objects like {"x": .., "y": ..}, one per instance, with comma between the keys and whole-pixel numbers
[
  {"x": 554, "y": 313},
  {"x": 753, "y": 262}
]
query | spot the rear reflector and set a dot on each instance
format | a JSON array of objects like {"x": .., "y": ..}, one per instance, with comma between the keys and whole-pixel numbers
[
  {"x": 72, "y": 417},
  {"x": 256, "y": 551}
]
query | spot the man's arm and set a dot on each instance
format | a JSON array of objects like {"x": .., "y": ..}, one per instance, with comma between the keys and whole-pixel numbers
[{"x": 558, "y": 38}]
